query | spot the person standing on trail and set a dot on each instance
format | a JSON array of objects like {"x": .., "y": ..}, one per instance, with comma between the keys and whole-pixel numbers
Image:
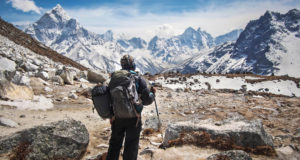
[{"x": 129, "y": 93}]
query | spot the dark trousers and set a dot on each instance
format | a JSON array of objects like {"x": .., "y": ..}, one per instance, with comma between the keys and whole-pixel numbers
[{"x": 127, "y": 127}]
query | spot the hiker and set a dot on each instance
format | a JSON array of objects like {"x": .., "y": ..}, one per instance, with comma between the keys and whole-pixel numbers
[{"x": 126, "y": 120}]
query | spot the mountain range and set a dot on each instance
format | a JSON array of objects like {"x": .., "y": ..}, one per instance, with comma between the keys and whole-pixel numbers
[
  {"x": 64, "y": 34},
  {"x": 267, "y": 45}
]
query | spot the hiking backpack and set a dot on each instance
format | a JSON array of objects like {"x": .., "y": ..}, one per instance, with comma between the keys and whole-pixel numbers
[
  {"x": 123, "y": 90},
  {"x": 102, "y": 101}
]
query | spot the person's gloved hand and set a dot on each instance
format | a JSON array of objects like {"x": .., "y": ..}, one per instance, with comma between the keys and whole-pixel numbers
[{"x": 153, "y": 90}]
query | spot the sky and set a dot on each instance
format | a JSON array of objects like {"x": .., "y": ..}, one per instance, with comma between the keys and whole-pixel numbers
[{"x": 146, "y": 18}]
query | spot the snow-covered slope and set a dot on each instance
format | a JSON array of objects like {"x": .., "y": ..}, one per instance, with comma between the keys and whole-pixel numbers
[
  {"x": 231, "y": 36},
  {"x": 65, "y": 35},
  {"x": 179, "y": 48},
  {"x": 267, "y": 45}
]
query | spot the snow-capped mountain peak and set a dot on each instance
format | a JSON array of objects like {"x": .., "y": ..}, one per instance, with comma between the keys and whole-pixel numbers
[{"x": 268, "y": 45}]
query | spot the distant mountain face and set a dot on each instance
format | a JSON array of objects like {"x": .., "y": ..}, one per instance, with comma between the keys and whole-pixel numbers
[
  {"x": 101, "y": 51},
  {"x": 231, "y": 36},
  {"x": 267, "y": 45},
  {"x": 65, "y": 35},
  {"x": 178, "y": 48}
]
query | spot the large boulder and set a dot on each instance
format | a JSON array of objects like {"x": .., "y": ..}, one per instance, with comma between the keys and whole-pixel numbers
[
  {"x": 96, "y": 77},
  {"x": 43, "y": 74},
  {"x": 11, "y": 91},
  {"x": 232, "y": 133},
  {"x": 67, "y": 76},
  {"x": 230, "y": 155},
  {"x": 66, "y": 139},
  {"x": 287, "y": 153},
  {"x": 29, "y": 67},
  {"x": 7, "y": 69},
  {"x": 21, "y": 79}
]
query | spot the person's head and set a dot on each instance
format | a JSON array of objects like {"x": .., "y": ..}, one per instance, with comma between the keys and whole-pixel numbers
[{"x": 127, "y": 62}]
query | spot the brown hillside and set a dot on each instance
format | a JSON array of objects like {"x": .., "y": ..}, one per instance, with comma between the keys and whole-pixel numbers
[{"x": 21, "y": 38}]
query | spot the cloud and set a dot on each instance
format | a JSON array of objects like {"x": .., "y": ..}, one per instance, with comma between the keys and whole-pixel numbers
[
  {"x": 216, "y": 19},
  {"x": 25, "y": 5}
]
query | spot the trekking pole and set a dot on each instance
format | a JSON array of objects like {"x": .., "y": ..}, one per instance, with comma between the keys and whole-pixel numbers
[{"x": 159, "y": 122}]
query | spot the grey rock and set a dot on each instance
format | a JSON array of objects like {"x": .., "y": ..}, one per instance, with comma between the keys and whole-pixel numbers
[
  {"x": 8, "y": 123},
  {"x": 232, "y": 133},
  {"x": 67, "y": 76},
  {"x": 230, "y": 155},
  {"x": 21, "y": 79},
  {"x": 66, "y": 139},
  {"x": 287, "y": 153},
  {"x": 47, "y": 89},
  {"x": 7, "y": 69},
  {"x": 152, "y": 123},
  {"x": 73, "y": 95},
  {"x": 29, "y": 67},
  {"x": 148, "y": 150},
  {"x": 83, "y": 80},
  {"x": 7, "y": 65},
  {"x": 37, "y": 62},
  {"x": 96, "y": 77},
  {"x": 83, "y": 74},
  {"x": 58, "y": 80},
  {"x": 84, "y": 86},
  {"x": 42, "y": 74}
]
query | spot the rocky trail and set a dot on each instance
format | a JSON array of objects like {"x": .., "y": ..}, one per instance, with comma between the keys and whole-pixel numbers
[{"x": 279, "y": 116}]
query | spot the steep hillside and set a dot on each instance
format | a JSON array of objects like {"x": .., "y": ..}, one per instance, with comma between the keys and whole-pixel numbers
[{"x": 21, "y": 38}]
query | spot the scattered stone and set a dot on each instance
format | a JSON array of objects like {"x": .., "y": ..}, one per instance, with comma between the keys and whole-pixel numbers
[
  {"x": 47, "y": 89},
  {"x": 67, "y": 139},
  {"x": 96, "y": 77},
  {"x": 7, "y": 69},
  {"x": 148, "y": 150},
  {"x": 22, "y": 116},
  {"x": 42, "y": 74},
  {"x": 246, "y": 135},
  {"x": 65, "y": 99},
  {"x": 102, "y": 146},
  {"x": 67, "y": 76},
  {"x": 73, "y": 95},
  {"x": 152, "y": 123},
  {"x": 84, "y": 86},
  {"x": 99, "y": 156},
  {"x": 11, "y": 91},
  {"x": 83, "y": 80},
  {"x": 155, "y": 143},
  {"x": 20, "y": 79},
  {"x": 83, "y": 75},
  {"x": 28, "y": 67},
  {"x": 208, "y": 85},
  {"x": 58, "y": 80},
  {"x": 243, "y": 88},
  {"x": 287, "y": 152},
  {"x": 169, "y": 95},
  {"x": 8, "y": 123},
  {"x": 230, "y": 155}
]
